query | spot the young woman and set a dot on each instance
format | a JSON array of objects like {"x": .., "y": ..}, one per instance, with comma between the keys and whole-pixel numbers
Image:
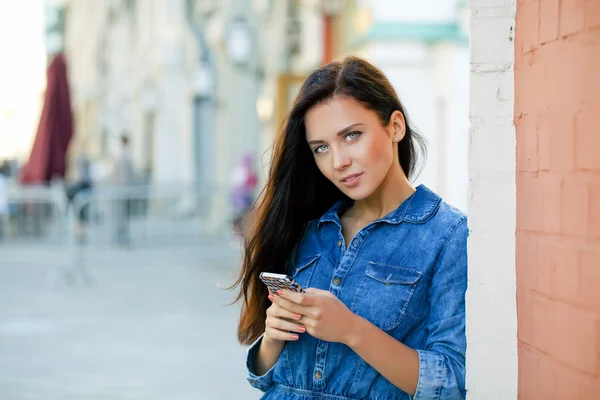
[{"x": 384, "y": 264}]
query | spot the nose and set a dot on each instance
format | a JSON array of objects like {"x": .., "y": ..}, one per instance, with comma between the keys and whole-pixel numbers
[{"x": 340, "y": 159}]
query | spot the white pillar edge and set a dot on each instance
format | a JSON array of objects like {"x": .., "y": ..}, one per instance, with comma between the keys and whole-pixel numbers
[{"x": 491, "y": 310}]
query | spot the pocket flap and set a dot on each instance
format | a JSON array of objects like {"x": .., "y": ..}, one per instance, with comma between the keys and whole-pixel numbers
[
  {"x": 389, "y": 274},
  {"x": 304, "y": 262}
]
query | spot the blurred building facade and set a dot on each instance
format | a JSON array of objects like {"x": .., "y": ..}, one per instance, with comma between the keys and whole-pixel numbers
[{"x": 199, "y": 83}]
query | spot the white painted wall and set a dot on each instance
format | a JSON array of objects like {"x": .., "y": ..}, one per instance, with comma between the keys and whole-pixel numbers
[{"x": 492, "y": 368}]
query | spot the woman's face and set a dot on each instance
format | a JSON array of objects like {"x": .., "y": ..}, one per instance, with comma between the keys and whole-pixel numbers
[{"x": 351, "y": 147}]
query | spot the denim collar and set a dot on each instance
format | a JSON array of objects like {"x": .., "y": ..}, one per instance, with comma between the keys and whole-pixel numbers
[{"x": 416, "y": 209}]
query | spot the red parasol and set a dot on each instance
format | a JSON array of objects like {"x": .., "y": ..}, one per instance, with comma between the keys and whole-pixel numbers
[{"x": 48, "y": 155}]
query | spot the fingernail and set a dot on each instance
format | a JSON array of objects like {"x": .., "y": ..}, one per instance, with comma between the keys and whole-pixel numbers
[
  {"x": 301, "y": 329},
  {"x": 297, "y": 316},
  {"x": 295, "y": 337},
  {"x": 280, "y": 292},
  {"x": 271, "y": 297}
]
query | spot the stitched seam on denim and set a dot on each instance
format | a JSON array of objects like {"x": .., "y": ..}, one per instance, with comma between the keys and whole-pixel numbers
[
  {"x": 289, "y": 365},
  {"x": 403, "y": 217},
  {"x": 420, "y": 273},
  {"x": 355, "y": 380},
  {"x": 447, "y": 240},
  {"x": 360, "y": 286},
  {"x": 325, "y": 362},
  {"x": 403, "y": 312},
  {"x": 312, "y": 272},
  {"x": 417, "y": 394},
  {"x": 297, "y": 270},
  {"x": 441, "y": 374},
  {"x": 313, "y": 394},
  {"x": 368, "y": 229}
]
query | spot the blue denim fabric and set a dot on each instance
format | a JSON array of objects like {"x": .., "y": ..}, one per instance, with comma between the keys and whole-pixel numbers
[{"x": 407, "y": 274}]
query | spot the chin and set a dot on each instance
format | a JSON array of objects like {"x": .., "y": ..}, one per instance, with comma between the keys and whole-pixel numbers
[{"x": 357, "y": 194}]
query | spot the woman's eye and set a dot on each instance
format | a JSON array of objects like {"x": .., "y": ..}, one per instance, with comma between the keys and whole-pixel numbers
[
  {"x": 320, "y": 149},
  {"x": 352, "y": 135}
]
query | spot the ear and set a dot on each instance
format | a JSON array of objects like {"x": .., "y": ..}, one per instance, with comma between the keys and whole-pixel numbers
[{"x": 397, "y": 126}]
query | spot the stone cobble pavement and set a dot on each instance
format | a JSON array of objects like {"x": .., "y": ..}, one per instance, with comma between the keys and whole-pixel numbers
[{"x": 152, "y": 324}]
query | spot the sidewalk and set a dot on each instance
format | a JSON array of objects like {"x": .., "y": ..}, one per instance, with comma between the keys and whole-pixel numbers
[{"x": 152, "y": 325}]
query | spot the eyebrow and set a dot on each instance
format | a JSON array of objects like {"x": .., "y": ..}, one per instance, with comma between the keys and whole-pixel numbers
[{"x": 340, "y": 133}]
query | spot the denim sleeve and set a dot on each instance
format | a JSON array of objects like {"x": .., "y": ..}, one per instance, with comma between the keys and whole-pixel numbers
[
  {"x": 262, "y": 382},
  {"x": 442, "y": 361}
]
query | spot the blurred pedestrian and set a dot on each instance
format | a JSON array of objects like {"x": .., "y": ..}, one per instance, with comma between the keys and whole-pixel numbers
[
  {"x": 82, "y": 185},
  {"x": 383, "y": 264},
  {"x": 123, "y": 178},
  {"x": 243, "y": 182}
]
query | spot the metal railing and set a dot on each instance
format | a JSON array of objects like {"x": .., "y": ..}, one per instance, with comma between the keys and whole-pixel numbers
[{"x": 109, "y": 218}]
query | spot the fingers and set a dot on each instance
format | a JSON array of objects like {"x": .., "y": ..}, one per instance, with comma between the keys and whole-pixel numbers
[
  {"x": 304, "y": 299},
  {"x": 284, "y": 325},
  {"x": 276, "y": 334},
  {"x": 281, "y": 312},
  {"x": 280, "y": 328},
  {"x": 290, "y": 305}
]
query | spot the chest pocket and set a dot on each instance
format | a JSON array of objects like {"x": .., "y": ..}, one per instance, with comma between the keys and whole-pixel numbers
[
  {"x": 384, "y": 293},
  {"x": 303, "y": 270}
]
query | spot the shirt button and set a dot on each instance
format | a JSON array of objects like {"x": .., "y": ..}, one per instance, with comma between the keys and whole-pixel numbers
[
  {"x": 318, "y": 375},
  {"x": 336, "y": 281},
  {"x": 339, "y": 243}
]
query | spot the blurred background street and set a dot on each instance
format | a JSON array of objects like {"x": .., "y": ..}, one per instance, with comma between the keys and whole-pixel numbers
[{"x": 152, "y": 325}]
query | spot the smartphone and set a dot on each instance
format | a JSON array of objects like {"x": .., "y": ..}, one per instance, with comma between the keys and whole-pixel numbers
[{"x": 277, "y": 282}]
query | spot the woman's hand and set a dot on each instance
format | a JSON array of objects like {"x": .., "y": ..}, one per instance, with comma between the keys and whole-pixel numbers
[
  {"x": 324, "y": 315},
  {"x": 281, "y": 324}
]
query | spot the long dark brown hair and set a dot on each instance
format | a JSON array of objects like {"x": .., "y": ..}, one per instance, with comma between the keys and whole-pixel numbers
[{"x": 296, "y": 191}]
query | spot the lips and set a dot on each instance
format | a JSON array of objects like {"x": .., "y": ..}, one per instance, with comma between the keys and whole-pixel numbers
[
  {"x": 349, "y": 177},
  {"x": 351, "y": 180}
]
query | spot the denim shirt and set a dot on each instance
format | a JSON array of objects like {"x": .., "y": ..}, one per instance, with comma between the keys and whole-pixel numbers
[{"x": 407, "y": 274}]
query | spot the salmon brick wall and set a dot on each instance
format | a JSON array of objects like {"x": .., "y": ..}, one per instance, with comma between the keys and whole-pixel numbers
[{"x": 557, "y": 120}]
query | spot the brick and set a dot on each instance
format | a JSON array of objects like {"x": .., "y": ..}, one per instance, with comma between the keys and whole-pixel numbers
[
  {"x": 572, "y": 16},
  {"x": 525, "y": 261},
  {"x": 526, "y": 130},
  {"x": 587, "y": 137},
  {"x": 589, "y": 389},
  {"x": 524, "y": 317},
  {"x": 562, "y": 141},
  {"x": 548, "y": 20},
  {"x": 528, "y": 210},
  {"x": 529, "y": 25},
  {"x": 565, "y": 284},
  {"x": 592, "y": 17},
  {"x": 575, "y": 206},
  {"x": 566, "y": 382},
  {"x": 594, "y": 204},
  {"x": 589, "y": 275},
  {"x": 528, "y": 367},
  {"x": 543, "y": 138},
  {"x": 549, "y": 191},
  {"x": 542, "y": 324},
  {"x": 530, "y": 84},
  {"x": 573, "y": 336},
  {"x": 546, "y": 378},
  {"x": 562, "y": 60},
  {"x": 589, "y": 56},
  {"x": 545, "y": 268}
]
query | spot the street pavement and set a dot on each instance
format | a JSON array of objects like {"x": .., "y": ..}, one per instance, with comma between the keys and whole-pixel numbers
[{"x": 151, "y": 324}]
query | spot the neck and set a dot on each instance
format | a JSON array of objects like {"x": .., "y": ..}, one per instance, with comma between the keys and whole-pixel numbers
[{"x": 392, "y": 192}]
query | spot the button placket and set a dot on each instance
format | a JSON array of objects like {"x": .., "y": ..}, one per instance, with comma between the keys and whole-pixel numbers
[{"x": 320, "y": 360}]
